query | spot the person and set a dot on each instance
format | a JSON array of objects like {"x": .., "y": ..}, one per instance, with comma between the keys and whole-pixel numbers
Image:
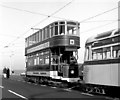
[
  {"x": 8, "y": 73},
  {"x": 73, "y": 59},
  {"x": 5, "y": 72}
]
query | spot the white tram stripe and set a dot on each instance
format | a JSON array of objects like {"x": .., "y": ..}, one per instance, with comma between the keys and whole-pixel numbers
[{"x": 18, "y": 94}]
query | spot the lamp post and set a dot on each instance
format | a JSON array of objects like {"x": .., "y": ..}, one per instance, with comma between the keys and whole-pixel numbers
[
  {"x": 11, "y": 62},
  {"x": 10, "y": 59}
]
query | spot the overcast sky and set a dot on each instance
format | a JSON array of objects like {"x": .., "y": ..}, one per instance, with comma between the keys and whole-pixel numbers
[{"x": 17, "y": 17}]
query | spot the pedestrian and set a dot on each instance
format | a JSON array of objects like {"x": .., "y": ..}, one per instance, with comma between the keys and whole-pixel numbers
[
  {"x": 5, "y": 72},
  {"x": 8, "y": 73}
]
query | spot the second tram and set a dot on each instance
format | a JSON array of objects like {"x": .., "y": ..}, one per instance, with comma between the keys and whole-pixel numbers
[
  {"x": 102, "y": 63},
  {"x": 51, "y": 53}
]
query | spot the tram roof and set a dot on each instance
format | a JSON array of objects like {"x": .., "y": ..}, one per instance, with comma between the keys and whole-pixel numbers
[
  {"x": 53, "y": 23},
  {"x": 103, "y": 35}
]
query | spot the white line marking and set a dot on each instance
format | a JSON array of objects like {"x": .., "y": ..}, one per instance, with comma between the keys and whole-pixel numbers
[
  {"x": 87, "y": 94},
  {"x": 43, "y": 85},
  {"x": 18, "y": 94},
  {"x": 1, "y": 87},
  {"x": 53, "y": 87},
  {"x": 69, "y": 90}
]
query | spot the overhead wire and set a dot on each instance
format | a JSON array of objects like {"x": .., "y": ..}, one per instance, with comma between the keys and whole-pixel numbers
[
  {"x": 89, "y": 18},
  {"x": 97, "y": 27},
  {"x": 48, "y": 16}
]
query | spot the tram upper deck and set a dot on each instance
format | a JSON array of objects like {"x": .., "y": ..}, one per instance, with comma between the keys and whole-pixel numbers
[
  {"x": 59, "y": 33},
  {"x": 56, "y": 28}
]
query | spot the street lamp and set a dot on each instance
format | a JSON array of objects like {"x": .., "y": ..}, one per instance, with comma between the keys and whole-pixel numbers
[{"x": 10, "y": 57}]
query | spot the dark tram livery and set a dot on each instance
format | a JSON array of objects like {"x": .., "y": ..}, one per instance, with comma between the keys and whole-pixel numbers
[{"x": 51, "y": 53}]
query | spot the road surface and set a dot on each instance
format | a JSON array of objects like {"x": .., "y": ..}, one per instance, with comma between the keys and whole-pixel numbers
[{"x": 16, "y": 87}]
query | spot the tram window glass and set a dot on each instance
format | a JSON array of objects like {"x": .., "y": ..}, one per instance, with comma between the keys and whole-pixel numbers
[
  {"x": 30, "y": 40},
  {"x": 71, "y": 23},
  {"x": 35, "y": 61},
  {"x": 37, "y": 37},
  {"x": 116, "y": 51},
  {"x": 62, "y": 22},
  {"x": 97, "y": 54},
  {"x": 40, "y": 58},
  {"x": 87, "y": 54},
  {"x": 106, "y": 53},
  {"x": 94, "y": 56},
  {"x": 54, "y": 59},
  {"x": 48, "y": 32},
  {"x": 46, "y": 59},
  {"x": 56, "y": 30},
  {"x": 71, "y": 30},
  {"x": 26, "y": 42},
  {"x": 43, "y": 33},
  {"x": 62, "y": 29},
  {"x": 33, "y": 39},
  {"x": 51, "y": 30}
]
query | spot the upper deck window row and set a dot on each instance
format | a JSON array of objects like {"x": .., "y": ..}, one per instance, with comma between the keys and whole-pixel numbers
[{"x": 54, "y": 29}]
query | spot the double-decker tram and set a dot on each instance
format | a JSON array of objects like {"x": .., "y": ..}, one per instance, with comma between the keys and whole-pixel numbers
[
  {"x": 51, "y": 53},
  {"x": 102, "y": 63}
]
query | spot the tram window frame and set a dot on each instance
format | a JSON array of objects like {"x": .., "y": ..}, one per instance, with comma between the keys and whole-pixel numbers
[
  {"x": 46, "y": 57},
  {"x": 54, "y": 59},
  {"x": 52, "y": 30},
  {"x": 56, "y": 29},
  {"x": 48, "y": 32},
  {"x": 37, "y": 37},
  {"x": 43, "y": 33},
  {"x": 72, "y": 30},
  {"x": 62, "y": 29},
  {"x": 86, "y": 54},
  {"x": 116, "y": 51},
  {"x": 97, "y": 54}
]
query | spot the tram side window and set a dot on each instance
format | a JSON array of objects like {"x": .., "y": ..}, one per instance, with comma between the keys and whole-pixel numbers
[
  {"x": 54, "y": 59},
  {"x": 40, "y": 58},
  {"x": 87, "y": 54},
  {"x": 72, "y": 28},
  {"x": 43, "y": 33},
  {"x": 52, "y": 30},
  {"x": 62, "y": 29},
  {"x": 48, "y": 32},
  {"x": 46, "y": 56},
  {"x": 97, "y": 54},
  {"x": 56, "y": 30},
  {"x": 116, "y": 51},
  {"x": 106, "y": 53}
]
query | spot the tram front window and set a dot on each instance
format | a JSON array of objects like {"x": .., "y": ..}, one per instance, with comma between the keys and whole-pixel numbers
[{"x": 72, "y": 28}]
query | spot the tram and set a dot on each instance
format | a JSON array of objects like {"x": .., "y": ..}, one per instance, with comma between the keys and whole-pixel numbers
[
  {"x": 101, "y": 72},
  {"x": 52, "y": 53}
]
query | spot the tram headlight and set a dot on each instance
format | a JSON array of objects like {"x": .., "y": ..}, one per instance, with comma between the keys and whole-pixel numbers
[{"x": 72, "y": 71}]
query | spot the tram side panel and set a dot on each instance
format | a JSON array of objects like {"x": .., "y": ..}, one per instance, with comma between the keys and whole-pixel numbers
[{"x": 102, "y": 74}]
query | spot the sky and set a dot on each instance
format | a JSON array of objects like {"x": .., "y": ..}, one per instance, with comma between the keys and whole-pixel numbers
[{"x": 17, "y": 17}]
